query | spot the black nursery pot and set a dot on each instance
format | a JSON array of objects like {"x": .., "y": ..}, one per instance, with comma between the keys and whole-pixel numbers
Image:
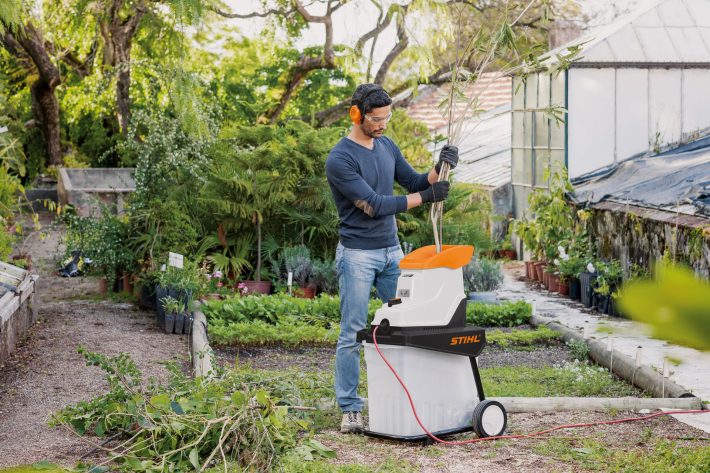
[
  {"x": 602, "y": 303},
  {"x": 160, "y": 293},
  {"x": 179, "y": 323},
  {"x": 170, "y": 322},
  {"x": 147, "y": 298},
  {"x": 575, "y": 289},
  {"x": 586, "y": 281}
]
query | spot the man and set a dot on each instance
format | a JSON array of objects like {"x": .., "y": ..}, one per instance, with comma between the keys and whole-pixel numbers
[{"x": 361, "y": 171}]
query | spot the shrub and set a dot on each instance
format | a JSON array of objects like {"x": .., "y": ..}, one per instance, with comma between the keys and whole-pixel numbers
[
  {"x": 507, "y": 314},
  {"x": 482, "y": 274}
]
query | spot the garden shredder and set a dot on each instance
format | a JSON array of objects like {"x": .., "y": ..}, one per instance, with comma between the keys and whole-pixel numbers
[{"x": 422, "y": 333}]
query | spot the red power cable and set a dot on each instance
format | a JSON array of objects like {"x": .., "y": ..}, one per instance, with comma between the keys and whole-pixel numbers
[{"x": 523, "y": 436}]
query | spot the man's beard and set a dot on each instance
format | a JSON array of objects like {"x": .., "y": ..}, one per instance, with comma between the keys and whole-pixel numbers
[{"x": 374, "y": 133}]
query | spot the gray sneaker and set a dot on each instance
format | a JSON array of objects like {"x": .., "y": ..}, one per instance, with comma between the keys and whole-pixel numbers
[{"x": 352, "y": 422}]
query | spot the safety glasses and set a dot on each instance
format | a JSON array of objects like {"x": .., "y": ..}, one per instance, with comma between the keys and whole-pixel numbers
[{"x": 372, "y": 119}]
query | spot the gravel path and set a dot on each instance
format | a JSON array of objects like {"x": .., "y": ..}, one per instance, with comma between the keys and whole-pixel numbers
[{"x": 46, "y": 373}]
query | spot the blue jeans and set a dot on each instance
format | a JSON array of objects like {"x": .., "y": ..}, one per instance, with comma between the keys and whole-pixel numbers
[{"x": 358, "y": 271}]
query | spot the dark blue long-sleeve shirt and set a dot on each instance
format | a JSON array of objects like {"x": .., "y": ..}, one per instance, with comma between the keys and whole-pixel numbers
[{"x": 362, "y": 182}]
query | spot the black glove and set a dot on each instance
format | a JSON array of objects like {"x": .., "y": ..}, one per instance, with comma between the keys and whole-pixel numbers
[
  {"x": 437, "y": 192},
  {"x": 449, "y": 154}
]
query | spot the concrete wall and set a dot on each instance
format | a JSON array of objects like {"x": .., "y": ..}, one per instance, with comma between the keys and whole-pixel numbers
[
  {"x": 637, "y": 235},
  {"x": 13, "y": 328}
]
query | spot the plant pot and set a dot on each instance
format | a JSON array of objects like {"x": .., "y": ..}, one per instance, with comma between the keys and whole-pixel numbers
[
  {"x": 488, "y": 297},
  {"x": 586, "y": 281},
  {"x": 510, "y": 254},
  {"x": 126, "y": 283},
  {"x": 170, "y": 322},
  {"x": 563, "y": 288},
  {"x": 160, "y": 293},
  {"x": 575, "y": 289},
  {"x": 529, "y": 269},
  {"x": 305, "y": 292},
  {"x": 552, "y": 282},
  {"x": 103, "y": 286},
  {"x": 179, "y": 323},
  {"x": 615, "y": 308},
  {"x": 602, "y": 303},
  {"x": 540, "y": 271},
  {"x": 146, "y": 299},
  {"x": 183, "y": 296},
  {"x": 257, "y": 287}
]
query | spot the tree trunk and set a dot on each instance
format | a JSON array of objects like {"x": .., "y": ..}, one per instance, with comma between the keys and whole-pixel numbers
[
  {"x": 46, "y": 108},
  {"x": 123, "y": 86},
  {"x": 118, "y": 33},
  {"x": 30, "y": 45}
]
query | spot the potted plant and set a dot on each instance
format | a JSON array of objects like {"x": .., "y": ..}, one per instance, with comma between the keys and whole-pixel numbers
[
  {"x": 325, "y": 276},
  {"x": 569, "y": 282},
  {"x": 481, "y": 277},
  {"x": 256, "y": 172},
  {"x": 173, "y": 309},
  {"x": 178, "y": 283},
  {"x": 601, "y": 295},
  {"x": 525, "y": 230},
  {"x": 297, "y": 260}
]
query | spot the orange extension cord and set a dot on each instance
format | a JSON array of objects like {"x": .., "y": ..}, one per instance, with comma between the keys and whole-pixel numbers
[{"x": 525, "y": 436}]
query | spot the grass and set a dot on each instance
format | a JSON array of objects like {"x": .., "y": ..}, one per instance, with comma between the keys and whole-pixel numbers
[
  {"x": 258, "y": 333},
  {"x": 541, "y": 336},
  {"x": 643, "y": 455},
  {"x": 43, "y": 466},
  {"x": 572, "y": 379},
  {"x": 388, "y": 465}
]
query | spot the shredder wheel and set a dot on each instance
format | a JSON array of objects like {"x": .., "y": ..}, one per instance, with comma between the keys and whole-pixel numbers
[{"x": 489, "y": 418}]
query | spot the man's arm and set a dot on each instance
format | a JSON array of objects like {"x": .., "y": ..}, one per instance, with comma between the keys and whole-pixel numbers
[{"x": 342, "y": 175}]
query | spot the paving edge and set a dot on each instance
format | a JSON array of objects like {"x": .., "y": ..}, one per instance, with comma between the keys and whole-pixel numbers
[
  {"x": 623, "y": 365},
  {"x": 200, "y": 349}
]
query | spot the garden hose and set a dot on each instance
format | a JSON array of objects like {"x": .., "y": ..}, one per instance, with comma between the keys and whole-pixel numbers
[{"x": 521, "y": 436}]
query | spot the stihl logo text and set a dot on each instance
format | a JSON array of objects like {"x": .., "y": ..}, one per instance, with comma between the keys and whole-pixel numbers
[{"x": 465, "y": 340}]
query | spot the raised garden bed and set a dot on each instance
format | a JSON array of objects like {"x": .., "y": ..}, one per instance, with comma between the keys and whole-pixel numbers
[{"x": 17, "y": 311}]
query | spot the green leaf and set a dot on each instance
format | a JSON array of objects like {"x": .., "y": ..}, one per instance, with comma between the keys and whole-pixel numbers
[
  {"x": 177, "y": 408},
  {"x": 161, "y": 400},
  {"x": 321, "y": 449},
  {"x": 262, "y": 397},
  {"x": 238, "y": 398},
  {"x": 98, "y": 469},
  {"x": 195, "y": 458}
]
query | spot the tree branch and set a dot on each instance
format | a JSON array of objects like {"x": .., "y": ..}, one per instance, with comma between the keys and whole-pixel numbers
[
  {"x": 273, "y": 11},
  {"x": 379, "y": 28},
  {"x": 397, "y": 49},
  {"x": 307, "y": 64}
]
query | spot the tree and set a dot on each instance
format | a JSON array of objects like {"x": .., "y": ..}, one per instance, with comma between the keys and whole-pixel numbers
[
  {"x": 26, "y": 43},
  {"x": 295, "y": 16},
  {"x": 118, "y": 23}
]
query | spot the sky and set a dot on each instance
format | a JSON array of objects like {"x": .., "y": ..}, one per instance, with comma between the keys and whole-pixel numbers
[{"x": 359, "y": 16}]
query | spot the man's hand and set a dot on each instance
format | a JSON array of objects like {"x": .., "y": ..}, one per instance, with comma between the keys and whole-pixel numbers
[
  {"x": 437, "y": 192},
  {"x": 450, "y": 155}
]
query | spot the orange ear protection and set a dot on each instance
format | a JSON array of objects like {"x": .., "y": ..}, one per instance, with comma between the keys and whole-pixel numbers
[
  {"x": 355, "y": 115},
  {"x": 357, "y": 111}
]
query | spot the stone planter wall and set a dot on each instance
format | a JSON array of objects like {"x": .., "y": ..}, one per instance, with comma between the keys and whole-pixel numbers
[{"x": 638, "y": 235}]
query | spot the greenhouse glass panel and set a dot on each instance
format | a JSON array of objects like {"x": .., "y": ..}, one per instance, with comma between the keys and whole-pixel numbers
[{"x": 518, "y": 131}]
